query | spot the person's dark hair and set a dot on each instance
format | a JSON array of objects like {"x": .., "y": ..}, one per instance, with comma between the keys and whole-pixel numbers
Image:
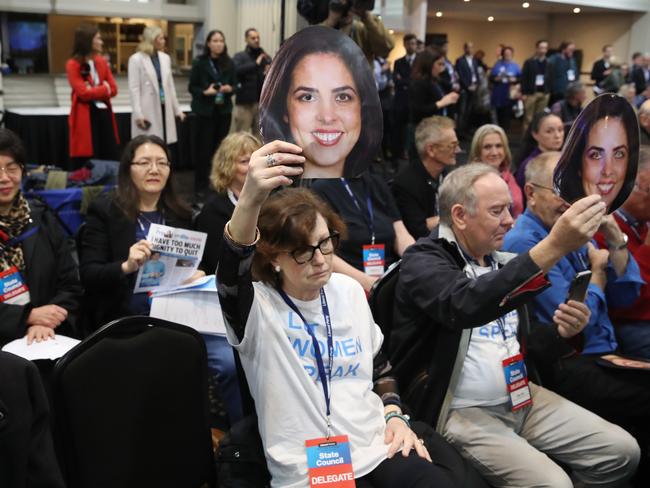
[
  {"x": 126, "y": 194},
  {"x": 540, "y": 41},
  {"x": 273, "y": 100},
  {"x": 223, "y": 60},
  {"x": 286, "y": 222},
  {"x": 11, "y": 145},
  {"x": 636, "y": 55},
  {"x": 82, "y": 47},
  {"x": 528, "y": 142},
  {"x": 565, "y": 44},
  {"x": 606, "y": 46},
  {"x": 423, "y": 63},
  {"x": 504, "y": 48},
  {"x": 248, "y": 31},
  {"x": 410, "y": 37},
  {"x": 570, "y": 165}
]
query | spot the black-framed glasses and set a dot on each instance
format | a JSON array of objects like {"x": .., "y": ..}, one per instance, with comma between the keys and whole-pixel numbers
[
  {"x": 326, "y": 246},
  {"x": 162, "y": 164}
]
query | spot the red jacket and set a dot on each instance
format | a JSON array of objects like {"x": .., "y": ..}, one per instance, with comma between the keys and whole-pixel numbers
[
  {"x": 636, "y": 236},
  {"x": 83, "y": 93}
]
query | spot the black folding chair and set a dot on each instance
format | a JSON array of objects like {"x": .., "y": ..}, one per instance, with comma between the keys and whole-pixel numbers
[
  {"x": 131, "y": 408},
  {"x": 381, "y": 299}
]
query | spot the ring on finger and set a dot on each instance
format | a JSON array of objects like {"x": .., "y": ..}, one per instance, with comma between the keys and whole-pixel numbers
[
  {"x": 270, "y": 160},
  {"x": 421, "y": 441}
]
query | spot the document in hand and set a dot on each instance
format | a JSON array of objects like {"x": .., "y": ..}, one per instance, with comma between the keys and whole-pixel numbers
[{"x": 175, "y": 256}]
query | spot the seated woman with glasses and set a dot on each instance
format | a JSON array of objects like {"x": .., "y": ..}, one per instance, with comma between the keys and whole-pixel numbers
[
  {"x": 40, "y": 286},
  {"x": 114, "y": 245},
  {"x": 315, "y": 405}
]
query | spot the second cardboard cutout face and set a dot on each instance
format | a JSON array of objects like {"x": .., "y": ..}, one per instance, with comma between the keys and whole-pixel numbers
[
  {"x": 320, "y": 94},
  {"x": 601, "y": 154}
]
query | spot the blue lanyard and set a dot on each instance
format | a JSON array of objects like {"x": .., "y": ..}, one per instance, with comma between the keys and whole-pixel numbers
[
  {"x": 18, "y": 239},
  {"x": 371, "y": 216},
  {"x": 325, "y": 376}
]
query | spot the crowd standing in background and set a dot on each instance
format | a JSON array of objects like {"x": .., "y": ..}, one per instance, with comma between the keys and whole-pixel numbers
[{"x": 442, "y": 201}]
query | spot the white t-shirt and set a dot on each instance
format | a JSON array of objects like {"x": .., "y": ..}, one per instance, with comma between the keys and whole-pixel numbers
[
  {"x": 482, "y": 380},
  {"x": 277, "y": 357}
]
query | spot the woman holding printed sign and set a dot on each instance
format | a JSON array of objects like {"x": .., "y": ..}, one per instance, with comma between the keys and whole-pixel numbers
[
  {"x": 39, "y": 281},
  {"x": 320, "y": 422},
  {"x": 114, "y": 245}
]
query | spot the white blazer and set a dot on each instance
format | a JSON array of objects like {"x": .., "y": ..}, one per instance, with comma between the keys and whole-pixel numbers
[{"x": 145, "y": 95}]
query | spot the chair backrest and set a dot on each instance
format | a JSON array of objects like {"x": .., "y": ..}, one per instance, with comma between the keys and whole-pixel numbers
[
  {"x": 381, "y": 299},
  {"x": 131, "y": 408}
]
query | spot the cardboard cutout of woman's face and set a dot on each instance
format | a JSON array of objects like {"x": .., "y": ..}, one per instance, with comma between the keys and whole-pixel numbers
[
  {"x": 320, "y": 94},
  {"x": 601, "y": 154}
]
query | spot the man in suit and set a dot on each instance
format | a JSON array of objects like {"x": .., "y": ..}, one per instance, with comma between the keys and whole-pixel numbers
[
  {"x": 468, "y": 77},
  {"x": 602, "y": 69},
  {"x": 416, "y": 187},
  {"x": 561, "y": 70},
  {"x": 402, "y": 78},
  {"x": 448, "y": 78},
  {"x": 534, "y": 87}
]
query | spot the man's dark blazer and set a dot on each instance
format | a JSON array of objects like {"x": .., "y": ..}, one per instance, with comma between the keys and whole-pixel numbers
[
  {"x": 465, "y": 72},
  {"x": 415, "y": 193}
]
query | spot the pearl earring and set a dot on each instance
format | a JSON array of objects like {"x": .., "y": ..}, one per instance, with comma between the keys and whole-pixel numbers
[{"x": 277, "y": 269}]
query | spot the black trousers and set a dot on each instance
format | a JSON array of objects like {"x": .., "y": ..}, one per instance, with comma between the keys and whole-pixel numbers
[
  {"x": 620, "y": 396},
  {"x": 210, "y": 131},
  {"x": 448, "y": 469}
]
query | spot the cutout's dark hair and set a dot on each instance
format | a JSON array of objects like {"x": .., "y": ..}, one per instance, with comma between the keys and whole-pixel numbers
[
  {"x": 273, "y": 100},
  {"x": 126, "y": 194},
  {"x": 568, "y": 174}
]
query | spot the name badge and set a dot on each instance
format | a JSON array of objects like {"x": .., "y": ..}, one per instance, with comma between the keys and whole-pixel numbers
[
  {"x": 514, "y": 369},
  {"x": 374, "y": 259},
  {"x": 13, "y": 289},
  {"x": 329, "y": 462},
  {"x": 539, "y": 80},
  {"x": 570, "y": 74}
]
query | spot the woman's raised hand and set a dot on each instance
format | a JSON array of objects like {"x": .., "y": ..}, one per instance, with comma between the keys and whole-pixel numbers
[
  {"x": 139, "y": 253},
  {"x": 271, "y": 166}
]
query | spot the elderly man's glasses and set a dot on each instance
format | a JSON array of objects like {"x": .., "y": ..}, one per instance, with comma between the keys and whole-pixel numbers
[
  {"x": 326, "y": 246},
  {"x": 552, "y": 190}
]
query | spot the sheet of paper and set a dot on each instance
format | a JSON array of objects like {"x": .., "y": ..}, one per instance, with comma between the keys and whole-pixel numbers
[
  {"x": 49, "y": 349},
  {"x": 195, "y": 305},
  {"x": 175, "y": 256}
]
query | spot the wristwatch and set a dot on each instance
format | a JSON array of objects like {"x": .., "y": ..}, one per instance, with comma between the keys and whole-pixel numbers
[{"x": 617, "y": 247}]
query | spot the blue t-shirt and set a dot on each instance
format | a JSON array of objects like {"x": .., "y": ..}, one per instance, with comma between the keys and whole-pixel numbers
[{"x": 501, "y": 89}]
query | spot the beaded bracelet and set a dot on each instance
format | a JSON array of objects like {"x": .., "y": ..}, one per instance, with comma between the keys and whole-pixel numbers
[{"x": 405, "y": 418}]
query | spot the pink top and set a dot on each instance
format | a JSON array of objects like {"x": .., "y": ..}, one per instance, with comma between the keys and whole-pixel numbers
[{"x": 515, "y": 193}]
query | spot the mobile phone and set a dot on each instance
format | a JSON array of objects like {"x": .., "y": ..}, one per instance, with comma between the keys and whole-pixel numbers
[{"x": 579, "y": 285}]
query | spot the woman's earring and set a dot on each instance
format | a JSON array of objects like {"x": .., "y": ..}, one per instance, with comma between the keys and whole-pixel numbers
[{"x": 277, "y": 269}]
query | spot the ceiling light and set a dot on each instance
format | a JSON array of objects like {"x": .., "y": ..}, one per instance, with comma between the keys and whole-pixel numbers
[
  {"x": 525, "y": 4},
  {"x": 490, "y": 19},
  {"x": 576, "y": 10},
  {"x": 465, "y": 1},
  {"x": 391, "y": 31},
  {"x": 438, "y": 14}
]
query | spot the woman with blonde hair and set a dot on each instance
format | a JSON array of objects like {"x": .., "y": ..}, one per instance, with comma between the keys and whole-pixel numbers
[
  {"x": 490, "y": 146},
  {"x": 229, "y": 169},
  {"x": 151, "y": 89}
]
